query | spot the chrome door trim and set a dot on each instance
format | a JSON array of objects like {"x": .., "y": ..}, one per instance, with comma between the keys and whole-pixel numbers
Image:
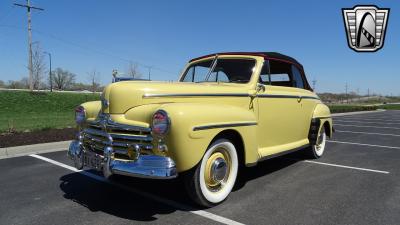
[{"x": 214, "y": 126}]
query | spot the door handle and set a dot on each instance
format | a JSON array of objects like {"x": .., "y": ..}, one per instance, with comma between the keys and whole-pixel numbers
[{"x": 299, "y": 98}]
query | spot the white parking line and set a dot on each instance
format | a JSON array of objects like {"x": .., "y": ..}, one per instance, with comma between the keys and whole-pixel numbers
[
  {"x": 347, "y": 167},
  {"x": 354, "y": 121},
  {"x": 165, "y": 201},
  {"x": 366, "y": 119},
  {"x": 358, "y": 132},
  {"x": 348, "y": 125},
  {"x": 370, "y": 145}
]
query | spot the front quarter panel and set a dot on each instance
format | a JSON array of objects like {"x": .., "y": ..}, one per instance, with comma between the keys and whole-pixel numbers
[{"x": 187, "y": 146}]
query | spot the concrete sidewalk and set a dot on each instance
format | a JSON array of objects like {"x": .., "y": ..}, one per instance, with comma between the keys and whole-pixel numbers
[{"x": 33, "y": 149}]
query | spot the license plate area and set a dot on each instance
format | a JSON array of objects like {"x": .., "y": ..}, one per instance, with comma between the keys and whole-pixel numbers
[{"x": 92, "y": 160}]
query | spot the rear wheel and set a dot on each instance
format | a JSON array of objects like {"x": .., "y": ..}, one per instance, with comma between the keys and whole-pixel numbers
[
  {"x": 214, "y": 177},
  {"x": 316, "y": 150}
]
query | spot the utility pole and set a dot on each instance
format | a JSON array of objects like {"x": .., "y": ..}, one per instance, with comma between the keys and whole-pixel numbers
[
  {"x": 314, "y": 82},
  {"x": 50, "y": 77},
  {"x": 368, "y": 93},
  {"x": 347, "y": 97},
  {"x": 29, "y": 7},
  {"x": 149, "y": 67}
]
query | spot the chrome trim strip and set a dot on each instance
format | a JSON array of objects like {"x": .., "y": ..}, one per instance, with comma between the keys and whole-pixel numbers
[
  {"x": 105, "y": 120},
  {"x": 287, "y": 96},
  {"x": 228, "y": 95},
  {"x": 130, "y": 137},
  {"x": 119, "y": 143},
  {"x": 213, "y": 126},
  {"x": 117, "y": 126},
  {"x": 310, "y": 97},
  {"x": 96, "y": 132},
  {"x": 323, "y": 117},
  {"x": 196, "y": 95}
]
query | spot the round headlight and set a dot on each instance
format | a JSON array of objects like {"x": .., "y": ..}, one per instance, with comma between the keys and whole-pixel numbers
[
  {"x": 160, "y": 123},
  {"x": 80, "y": 115}
]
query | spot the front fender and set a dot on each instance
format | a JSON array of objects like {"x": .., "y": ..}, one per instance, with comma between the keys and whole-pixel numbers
[
  {"x": 187, "y": 144},
  {"x": 92, "y": 109}
]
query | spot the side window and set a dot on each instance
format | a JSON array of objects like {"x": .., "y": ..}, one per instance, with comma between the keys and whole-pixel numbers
[
  {"x": 264, "y": 75},
  {"x": 297, "y": 78},
  {"x": 280, "y": 73},
  {"x": 280, "y": 77},
  {"x": 218, "y": 76}
]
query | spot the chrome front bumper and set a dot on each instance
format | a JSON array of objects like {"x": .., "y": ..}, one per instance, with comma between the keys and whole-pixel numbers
[{"x": 145, "y": 166}]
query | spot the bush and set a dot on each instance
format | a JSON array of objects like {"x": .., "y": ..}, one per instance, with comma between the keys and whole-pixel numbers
[{"x": 351, "y": 108}]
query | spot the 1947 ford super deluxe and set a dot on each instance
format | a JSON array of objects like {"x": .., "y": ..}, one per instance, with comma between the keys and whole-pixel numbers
[{"x": 227, "y": 110}]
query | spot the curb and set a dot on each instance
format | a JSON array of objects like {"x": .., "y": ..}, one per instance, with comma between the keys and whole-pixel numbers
[
  {"x": 356, "y": 113},
  {"x": 23, "y": 150}
]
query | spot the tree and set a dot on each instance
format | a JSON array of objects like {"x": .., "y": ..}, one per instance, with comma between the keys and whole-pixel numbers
[
  {"x": 94, "y": 79},
  {"x": 2, "y": 84},
  {"x": 21, "y": 84},
  {"x": 63, "y": 79},
  {"x": 133, "y": 70},
  {"x": 38, "y": 66}
]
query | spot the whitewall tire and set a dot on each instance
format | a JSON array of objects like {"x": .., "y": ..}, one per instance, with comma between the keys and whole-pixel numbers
[
  {"x": 215, "y": 175},
  {"x": 317, "y": 150}
]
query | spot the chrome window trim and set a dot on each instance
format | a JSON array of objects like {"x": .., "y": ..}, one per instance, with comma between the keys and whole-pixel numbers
[{"x": 214, "y": 126}]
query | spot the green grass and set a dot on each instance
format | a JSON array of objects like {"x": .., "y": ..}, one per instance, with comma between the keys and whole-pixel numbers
[
  {"x": 351, "y": 108},
  {"x": 390, "y": 106},
  {"x": 23, "y": 110}
]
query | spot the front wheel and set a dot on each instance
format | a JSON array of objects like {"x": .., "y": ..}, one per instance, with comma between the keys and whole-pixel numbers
[
  {"x": 316, "y": 150},
  {"x": 214, "y": 177}
]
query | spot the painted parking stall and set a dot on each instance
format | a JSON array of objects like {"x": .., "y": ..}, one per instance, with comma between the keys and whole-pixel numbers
[{"x": 355, "y": 182}]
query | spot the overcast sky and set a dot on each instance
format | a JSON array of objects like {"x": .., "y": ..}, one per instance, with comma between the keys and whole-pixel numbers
[{"x": 105, "y": 35}]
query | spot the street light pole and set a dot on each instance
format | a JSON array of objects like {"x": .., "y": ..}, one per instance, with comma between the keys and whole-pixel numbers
[{"x": 50, "y": 77}]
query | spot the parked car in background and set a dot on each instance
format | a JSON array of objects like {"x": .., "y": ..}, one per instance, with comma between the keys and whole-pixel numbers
[{"x": 226, "y": 111}]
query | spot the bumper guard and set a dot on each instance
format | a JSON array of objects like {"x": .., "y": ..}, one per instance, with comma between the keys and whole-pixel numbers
[{"x": 146, "y": 166}]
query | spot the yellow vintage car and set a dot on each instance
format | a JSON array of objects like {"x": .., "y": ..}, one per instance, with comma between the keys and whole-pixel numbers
[{"x": 228, "y": 110}]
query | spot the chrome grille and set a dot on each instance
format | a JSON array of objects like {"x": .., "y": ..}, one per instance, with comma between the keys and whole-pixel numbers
[{"x": 105, "y": 132}]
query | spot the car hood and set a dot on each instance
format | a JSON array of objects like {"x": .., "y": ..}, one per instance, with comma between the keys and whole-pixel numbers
[{"x": 119, "y": 97}]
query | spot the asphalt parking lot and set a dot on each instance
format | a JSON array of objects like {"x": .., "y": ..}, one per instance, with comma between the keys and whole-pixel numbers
[{"x": 357, "y": 181}]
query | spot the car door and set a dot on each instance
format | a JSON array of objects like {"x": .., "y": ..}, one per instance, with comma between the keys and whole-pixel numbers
[{"x": 282, "y": 119}]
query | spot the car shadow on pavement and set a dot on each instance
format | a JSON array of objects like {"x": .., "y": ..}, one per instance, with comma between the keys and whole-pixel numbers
[
  {"x": 104, "y": 197},
  {"x": 266, "y": 167}
]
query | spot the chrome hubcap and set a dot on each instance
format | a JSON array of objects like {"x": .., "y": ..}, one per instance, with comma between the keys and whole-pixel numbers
[{"x": 218, "y": 170}]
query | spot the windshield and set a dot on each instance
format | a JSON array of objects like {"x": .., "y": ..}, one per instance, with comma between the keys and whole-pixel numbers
[{"x": 220, "y": 70}]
